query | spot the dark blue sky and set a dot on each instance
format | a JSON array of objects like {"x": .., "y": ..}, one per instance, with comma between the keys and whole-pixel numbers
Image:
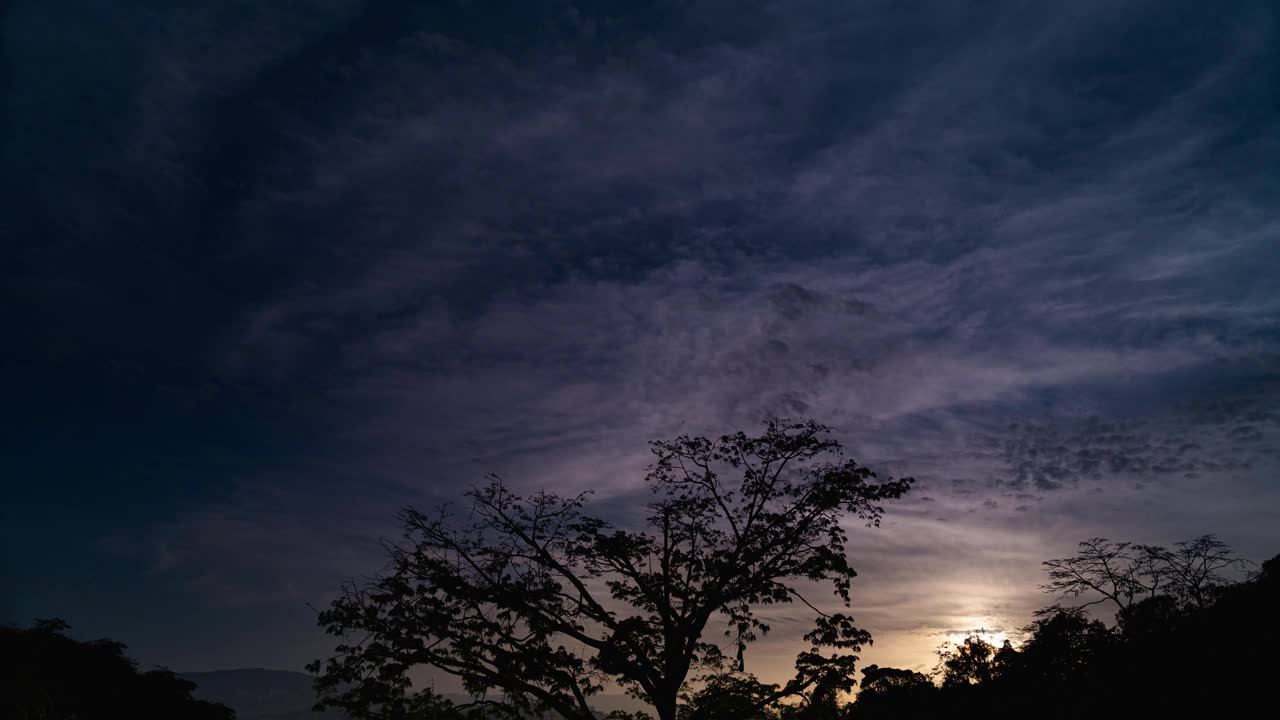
[{"x": 274, "y": 269}]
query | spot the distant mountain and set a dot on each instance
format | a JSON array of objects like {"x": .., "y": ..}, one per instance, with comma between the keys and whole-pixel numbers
[{"x": 260, "y": 694}]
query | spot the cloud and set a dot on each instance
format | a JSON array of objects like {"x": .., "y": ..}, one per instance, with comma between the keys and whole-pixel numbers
[{"x": 1020, "y": 253}]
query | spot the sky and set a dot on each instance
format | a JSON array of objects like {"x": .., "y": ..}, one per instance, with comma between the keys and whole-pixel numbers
[{"x": 275, "y": 269}]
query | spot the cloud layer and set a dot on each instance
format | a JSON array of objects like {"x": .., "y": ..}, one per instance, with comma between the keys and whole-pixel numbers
[{"x": 359, "y": 254}]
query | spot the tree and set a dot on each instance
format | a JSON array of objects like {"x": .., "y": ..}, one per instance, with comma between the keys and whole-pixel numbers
[
  {"x": 1062, "y": 646},
  {"x": 878, "y": 680},
  {"x": 972, "y": 662},
  {"x": 49, "y": 675},
  {"x": 537, "y": 600},
  {"x": 1122, "y": 572},
  {"x": 1194, "y": 568},
  {"x": 730, "y": 696},
  {"x": 893, "y": 692},
  {"x": 1149, "y": 617},
  {"x": 1115, "y": 571}
]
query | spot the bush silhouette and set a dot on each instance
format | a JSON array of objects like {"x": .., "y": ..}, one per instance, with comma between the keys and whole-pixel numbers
[{"x": 49, "y": 676}]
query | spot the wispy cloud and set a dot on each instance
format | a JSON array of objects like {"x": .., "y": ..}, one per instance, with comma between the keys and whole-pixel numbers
[{"x": 1025, "y": 253}]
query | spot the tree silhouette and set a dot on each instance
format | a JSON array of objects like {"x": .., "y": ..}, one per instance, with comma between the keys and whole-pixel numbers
[
  {"x": 1117, "y": 572},
  {"x": 1190, "y": 642},
  {"x": 730, "y": 696},
  {"x": 893, "y": 692},
  {"x": 534, "y": 598},
  {"x": 878, "y": 680},
  {"x": 1194, "y": 568},
  {"x": 1151, "y": 616},
  {"x": 1121, "y": 572},
  {"x": 48, "y": 675},
  {"x": 1062, "y": 646},
  {"x": 972, "y": 662}
]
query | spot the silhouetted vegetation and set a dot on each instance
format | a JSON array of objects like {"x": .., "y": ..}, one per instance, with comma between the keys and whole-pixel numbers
[
  {"x": 1192, "y": 645},
  {"x": 534, "y": 604},
  {"x": 1122, "y": 573},
  {"x": 49, "y": 676},
  {"x": 1186, "y": 642}
]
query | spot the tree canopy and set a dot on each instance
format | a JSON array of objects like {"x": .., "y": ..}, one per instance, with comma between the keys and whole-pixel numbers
[
  {"x": 535, "y": 603},
  {"x": 1121, "y": 573}
]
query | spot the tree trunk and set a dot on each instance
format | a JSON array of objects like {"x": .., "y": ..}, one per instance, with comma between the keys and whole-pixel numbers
[{"x": 665, "y": 706}]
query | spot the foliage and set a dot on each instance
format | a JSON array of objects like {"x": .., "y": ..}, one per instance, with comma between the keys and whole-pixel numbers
[
  {"x": 878, "y": 681},
  {"x": 1063, "y": 645},
  {"x": 541, "y": 602},
  {"x": 730, "y": 696},
  {"x": 1200, "y": 647},
  {"x": 972, "y": 662},
  {"x": 893, "y": 691},
  {"x": 49, "y": 675}
]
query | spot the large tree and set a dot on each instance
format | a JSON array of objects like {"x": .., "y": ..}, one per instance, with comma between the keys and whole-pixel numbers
[
  {"x": 535, "y": 604},
  {"x": 1121, "y": 573}
]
